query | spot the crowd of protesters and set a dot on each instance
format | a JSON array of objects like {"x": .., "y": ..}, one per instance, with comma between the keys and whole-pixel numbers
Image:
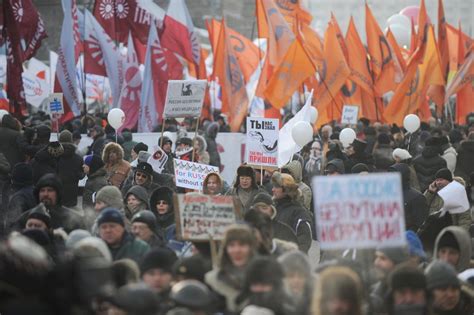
[{"x": 111, "y": 247}]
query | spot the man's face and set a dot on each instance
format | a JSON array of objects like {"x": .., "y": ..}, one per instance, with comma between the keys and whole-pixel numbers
[
  {"x": 166, "y": 147},
  {"x": 277, "y": 193},
  {"x": 383, "y": 265},
  {"x": 449, "y": 255},
  {"x": 441, "y": 183},
  {"x": 446, "y": 299},
  {"x": 265, "y": 209},
  {"x": 316, "y": 149},
  {"x": 409, "y": 296},
  {"x": 99, "y": 205},
  {"x": 111, "y": 233},
  {"x": 162, "y": 206},
  {"x": 35, "y": 224},
  {"x": 48, "y": 196},
  {"x": 132, "y": 201},
  {"x": 140, "y": 178},
  {"x": 245, "y": 182},
  {"x": 142, "y": 231},
  {"x": 212, "y": 185},
  {"x": 157, "y": 279}
]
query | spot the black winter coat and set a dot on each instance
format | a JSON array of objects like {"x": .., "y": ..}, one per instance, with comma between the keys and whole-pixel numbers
[
  {"x": 70, "y": 172},
  {"x": 465, "y": 165},
  {"x": 21, "y": 200},
  {"x": 10, "y": 145},
  {"x": 427, "y": 164},
  {"x": 61, "y": 217},
  {"x": 93, "y": 184}
]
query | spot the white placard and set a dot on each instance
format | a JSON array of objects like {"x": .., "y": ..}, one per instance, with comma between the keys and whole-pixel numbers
[
  {"x": 158, "y": 160},
  {"x": 262, "y": 141},
  {"x": 56, "y": 103},
  {"x": 359, "y": 211},
  {"x": 454, "y": 198},
  {"x": 184, "y": 98},
  {"x": 350, "y": 114},
  {"x": 191, "y": 175}
]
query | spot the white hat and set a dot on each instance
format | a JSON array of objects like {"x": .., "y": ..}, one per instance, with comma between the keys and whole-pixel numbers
[{"x": 401, "y": 153}]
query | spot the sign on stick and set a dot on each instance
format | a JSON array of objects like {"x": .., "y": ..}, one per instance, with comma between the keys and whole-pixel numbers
[
  {"x": 262, "y": 141},
  {"x": 56, "y": 103},
  {"x": 191, "y": 175},
  {"x": 350, "y": 114},
  {"x": 184, "y": 98}
]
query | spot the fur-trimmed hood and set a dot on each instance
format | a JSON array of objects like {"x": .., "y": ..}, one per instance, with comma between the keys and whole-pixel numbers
[{"x": 109, "y": 148}]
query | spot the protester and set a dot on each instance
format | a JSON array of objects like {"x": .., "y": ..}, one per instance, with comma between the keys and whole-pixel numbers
[
  {"x": 294, "y": 168},
  {"x": 135, "y": 200},
  {"x": 213, "y": 184},
  {"x": 200, "y": 149},
  {"x": 210, "y": 136},
  {"x": 464, "y": 165},
  {"x": 128, "y": 144},
  {"x": 453, "y": 245},
  {"x": 142, "y": 176},
  {"x": 449, "y": 153},
  {"x": 96, "y": 179},
  {"x": 383, "y": 153},
  {"x": 245, "y": 187},
  {"x": 144, "y": 227},
  {"x": 166, "y": 145},
  {"x": 313, "y": 165},
  {"x": 117, "y": 168},
  {"x": 403, "y": 156},
  {"x": 428, "y": 163}
]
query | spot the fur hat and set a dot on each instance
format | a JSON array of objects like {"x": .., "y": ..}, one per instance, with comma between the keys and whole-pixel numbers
[
  {"x": 55, "y": 149},
  {"x": 22, "y": 174},
  {"x": 65, "y": 136},
  {"x": 145, "y": 168},
  {"x": 287, "y": 182},
  {"x": 147, "y": 217},
  {"x": 440, "y": 274},
  {"x": 264, "y": 270},
  {"x": 75, "y": 237},
  {"x": 444, "y": 173},
  {"x": 110, "y": 215},
  {"x": 158, "y": 258},
  {"x": 194, "y": 267},
  {"x": 383, "y": 138},
  {"x": 263, "y": 197},
  {"x": 125, "y": 271},
  {"x": 245, "y": 170},
  {"x": 40, "y": 213},
  {"x": 136, "y": 298},
  {"x": 140, "y": 147},
  {"x": 295, "y": 261},
  {"x": 111, "y": 196},
  {"x": 236, "y": 232},
  {"x": 359, "y": 145},
  {"x": 407, "y": 276}
]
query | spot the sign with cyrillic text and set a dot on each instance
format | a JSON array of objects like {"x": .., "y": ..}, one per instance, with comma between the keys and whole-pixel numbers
[
  {"x": 262, "y": 141},
  {"x": 184, "y": 98}
]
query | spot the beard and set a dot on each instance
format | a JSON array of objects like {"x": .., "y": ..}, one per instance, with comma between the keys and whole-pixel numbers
[{"x": 415, "y": 309}]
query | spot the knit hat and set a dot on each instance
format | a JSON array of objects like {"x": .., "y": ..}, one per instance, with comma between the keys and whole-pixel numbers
[
  {"x": 94, "y": 162},
  {"x": 40, "y": 213},
  {"x": 415, "y": 247},
  {"x": 110, "y": 215},
  {"x": 407, "y": 276},
  {"x": 448, "y": 240},
  {"x": 55, "y": 149},
  {"x": 396, "y": 254},
  {"x": 75, "y": 237},
  {"x": 22, "y": 174},
  {"x": 335, "y": 165},
  {"x": 402, "y": 154},
  {"x": 440, "y": 274},
  {"x": 111, "y": 196},
  {"x": 147, "y": 217},
  {"x": 145, "y": 168},
  {"x": 359, "y": 168},
  {"x": 383, "y": 138},
  {"x": 65, "y": 136},
  {"x": 158, "y": 258},
  {"x": 444, "y": 173},
  {"x": 245, "y": 170},
  {"x": 263, "y": 197},
  {"x": 194, "y": 267},
  {"x": 140, "y": 147}
]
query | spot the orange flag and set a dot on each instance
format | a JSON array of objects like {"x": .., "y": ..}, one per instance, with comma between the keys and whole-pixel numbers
[
  {"x": 465, "y": 75},
  {"x": 465, "y": 95},
  {"x": 246, "y": 52},
  {"x": 399, "y": 61},
  {"x": 339, "y": 36},
  {"x": 294, "y": 14},
  {"x": 443, "y": 39},
  {"x": 290, "y": 74},
  {"x": 229, "y": 74},
  {"x": 423, "y": 25},
  {"x": 333, "y": 71},
  {"x": 453, "y": 43},
  {"x": 411, "y": 91},
  {"x": 380, "y": 55},
  {"x": 312, "y": 42}
]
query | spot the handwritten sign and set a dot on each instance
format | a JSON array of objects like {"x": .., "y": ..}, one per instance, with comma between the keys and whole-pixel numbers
[
  {"x": 200, "y": 217},
  {"x": 191, "y": 175},
  {"x": 184, "y": 98},
  {"x": 56, "y": 103},
  {"x": 262, "y": 141},
  {"x": 355, "y": 211},
  {"x": 350, "y": 114}
]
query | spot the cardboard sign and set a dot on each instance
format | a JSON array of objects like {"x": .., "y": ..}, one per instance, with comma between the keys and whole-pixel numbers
[
  {"x": 191, "y": 175},
  {"x": 184, "y": 98},
  {"x": 359, "y": 211},
  {"x": 454, "y": 198},
  {"x": 350, "y": 114},
  {"x": 158, "y": 160},
  {"x": 202, "y": 217},
  {"x": 262, "y": 141},
  {"x": 56, "y": 103}
]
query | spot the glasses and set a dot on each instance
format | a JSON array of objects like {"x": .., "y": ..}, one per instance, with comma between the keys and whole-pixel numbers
[{"x": 162, "y": 202}]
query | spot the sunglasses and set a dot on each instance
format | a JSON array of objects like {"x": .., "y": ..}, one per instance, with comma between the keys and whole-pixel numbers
[{"x": 162, "y": 202}]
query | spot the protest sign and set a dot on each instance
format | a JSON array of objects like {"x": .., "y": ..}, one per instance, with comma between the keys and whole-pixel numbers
[
  {"x": 158, "y": 160},
  {"x": 204, "y": 217},
  {"x": 454, "y": 198},
  {"x": 184, "y": 98},
  {"x": 262, "y": 141},
  {"x": 355, "y": 211},
  {"x": 56, "y": 103},
  {"x": 191, "y": 175},
  {"x": 350, "y": 114}
]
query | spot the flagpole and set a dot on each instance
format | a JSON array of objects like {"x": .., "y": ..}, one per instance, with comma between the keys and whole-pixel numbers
[
  {"x": 195, "y": 135},
  {"x": 162, "y": 131},
  {"x": 372, "y": 74}
]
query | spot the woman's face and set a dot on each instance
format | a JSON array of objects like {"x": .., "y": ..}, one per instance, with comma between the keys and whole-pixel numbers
[
  {"x": 132, "y": 201},
  {"x": 213, "y": 185},
  {"x": 162, "y": 206},
  {"x": 295, "y": 281},
  {"x": 238, "y": 252}
]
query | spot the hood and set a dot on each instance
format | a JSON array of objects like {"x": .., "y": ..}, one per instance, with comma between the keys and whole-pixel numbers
[
  {"x": 8, "y": 121},
  {"x": 69, "y": 149},
  {"x": 49, "y": 180},
  {"x": 202, "y": 143},
  {"x": 464, "y": 242},
  {"x": 294, "y": 167},
  {"x": 212, "y": 130},
  {"x": 404, "y": 170},
  {"x": 139, "y": 192},
  {"x": 162, "y": 193},
  {"x": 111, "y": 147},
  {"x": 430, "y": 151}
]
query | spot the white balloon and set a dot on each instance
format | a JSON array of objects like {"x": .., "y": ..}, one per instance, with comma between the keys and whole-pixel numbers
[
  {"x": 314, "y": 114},
  {"x": 402, "y": 34},
  {"x": 347, "y": 136},
  {"x": 411, "y": 123},
  {"x": 3, "y": 113},
  {"x": 399, "y": 19},
  {"x": 302, "y": 133},
  {"x": 116, "y": 118}
]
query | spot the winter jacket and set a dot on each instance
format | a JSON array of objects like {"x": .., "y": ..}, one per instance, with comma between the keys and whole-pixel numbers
[
  {"x": 450, "y": 156},
  {"x": 21, "y": 200},
  {"x": 435, "y": 203},
  {"x": 464, "y": 242},
  {"x": 93, "y": 184},
  {"x": 43, "y": 163},
  {"x": 295, "y": 170},
  {"x": 210, "y": 136},
  {"x": 118, "y": 172},
  {"x": 128, "y": 145},
  {"x": 293, "y": 214},
  {"x": 237, "y": 192},
  {"x": 427, "y": 164},
  {"x": 70, "y": 172},
  {"x": 465, "y": 165},
  {"x": 202, "y": 155},
  {"x": 383, "y": 157},
  {"x": 225, "y": 290},
  {"x": 10, "y": 139},
  {"x": 141, "y": 194},
  {"x": 416, "y": 207},
  {"x": 130, "y": 247}
]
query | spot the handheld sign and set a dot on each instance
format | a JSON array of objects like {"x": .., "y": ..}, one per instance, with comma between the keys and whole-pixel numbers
[
  {"x": 158, "y": 160},
  {"x": 350, "y": 114},
  {"x": 359, "y": 211},
  {"x": 262, "y": 141},
  {"x": 191, "y": 175},
  {"x": 203, "y": 217},
  {"x": 56, "y": 103},
  {"x": 184, "y": 98}
]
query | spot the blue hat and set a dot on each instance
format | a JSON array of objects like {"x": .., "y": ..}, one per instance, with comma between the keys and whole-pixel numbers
[
  {"x": 414, "y": 244},
  {"x": 110, "y": 215}
]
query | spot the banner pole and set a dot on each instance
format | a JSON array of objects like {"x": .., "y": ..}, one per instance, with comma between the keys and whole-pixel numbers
[
  {"x": 195, "y": 135},
  {"x": 212, "y": 242},
  {"x": 162, "y": 132},
  {"x": 261, "y": 175}
]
